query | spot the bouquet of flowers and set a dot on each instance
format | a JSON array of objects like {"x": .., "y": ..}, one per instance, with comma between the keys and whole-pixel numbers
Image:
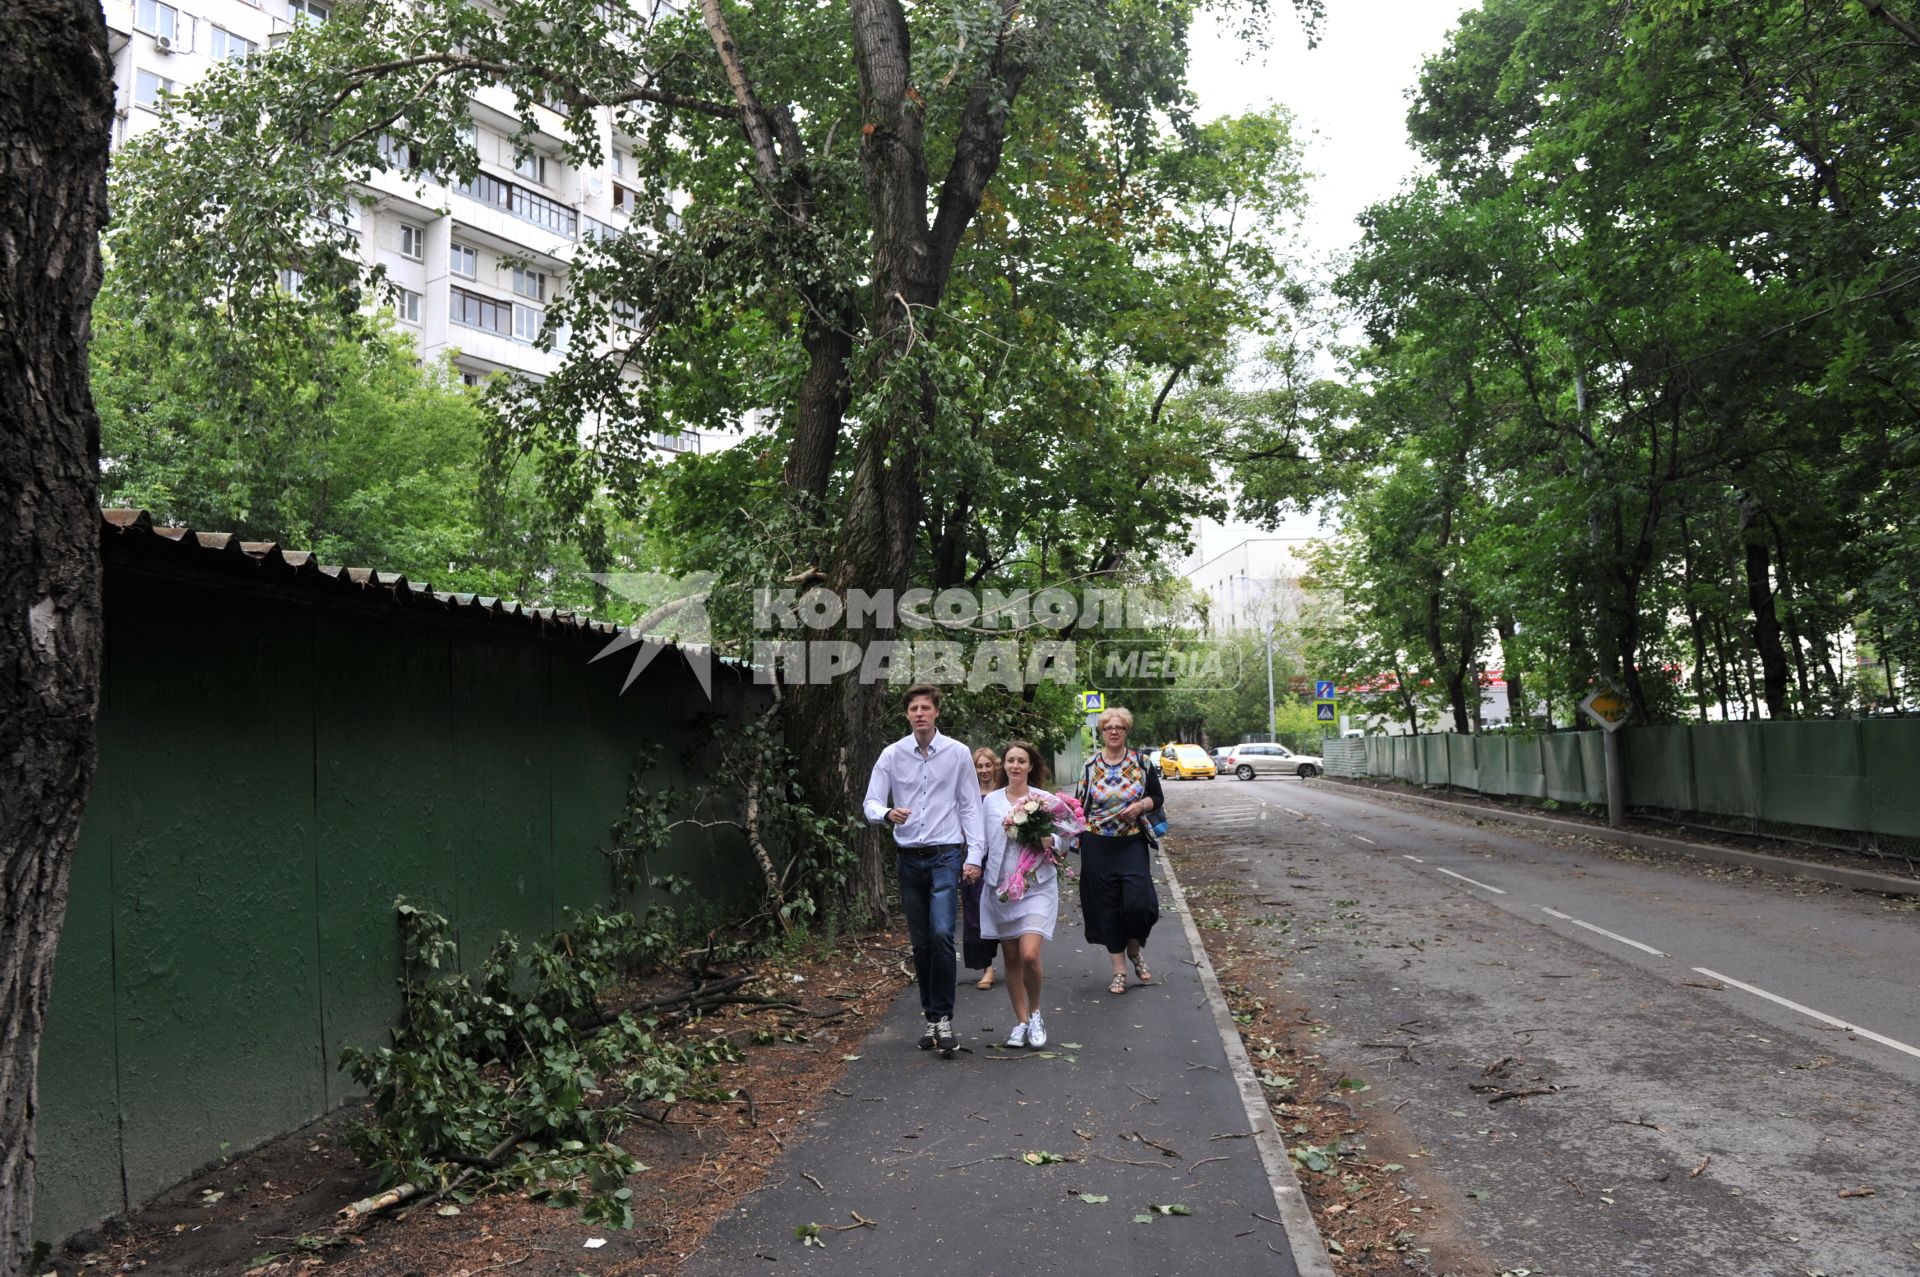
[{"x": 1032, "y": 825}]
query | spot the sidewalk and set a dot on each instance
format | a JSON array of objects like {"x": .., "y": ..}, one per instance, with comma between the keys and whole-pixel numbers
[{"x": 930, "y": 1150}]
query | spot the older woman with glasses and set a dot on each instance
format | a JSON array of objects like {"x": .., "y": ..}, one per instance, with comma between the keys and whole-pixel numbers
[{"x": 1117, "y": 788}]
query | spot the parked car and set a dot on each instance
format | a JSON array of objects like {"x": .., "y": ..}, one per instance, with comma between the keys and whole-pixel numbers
[
  {"x": 1248, "y": 761},
  {"x": 1186, "y": 762},
  {"x": 1221, "y": 767}
]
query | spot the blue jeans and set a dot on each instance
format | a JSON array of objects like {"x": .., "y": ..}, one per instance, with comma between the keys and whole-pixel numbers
[{"x": 930, "y": 897}]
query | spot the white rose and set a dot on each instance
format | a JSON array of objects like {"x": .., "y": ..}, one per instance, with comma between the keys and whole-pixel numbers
[{"x": 1020, "y": 818}]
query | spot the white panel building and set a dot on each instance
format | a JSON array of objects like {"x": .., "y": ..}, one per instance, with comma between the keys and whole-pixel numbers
[{"x": 477, "y": 262}]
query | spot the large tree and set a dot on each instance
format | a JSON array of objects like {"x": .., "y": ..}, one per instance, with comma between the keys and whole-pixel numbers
[
  {"x": 56, "y": 103},
  {"x": 887, "y": 228}
]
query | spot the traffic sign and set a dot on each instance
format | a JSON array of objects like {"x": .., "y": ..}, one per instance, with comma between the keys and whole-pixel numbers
[
  {"x": 1323, "y": 689},
  {"x": 1323, "y": 712},
  {"x": 1093, "y": 702},
  {"x": 1607, "y": 708}
]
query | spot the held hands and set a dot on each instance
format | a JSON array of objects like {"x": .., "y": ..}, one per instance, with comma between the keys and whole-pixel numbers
[
  {"x": 898, "y": 815},
  {"x": 971, "y": 874}
]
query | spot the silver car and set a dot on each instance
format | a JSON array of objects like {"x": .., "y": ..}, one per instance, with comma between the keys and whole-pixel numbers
[{"x": 1248, "y": 761}]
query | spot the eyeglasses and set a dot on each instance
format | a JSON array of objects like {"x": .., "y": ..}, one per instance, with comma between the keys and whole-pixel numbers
[{"x": 1114, "y": 727}]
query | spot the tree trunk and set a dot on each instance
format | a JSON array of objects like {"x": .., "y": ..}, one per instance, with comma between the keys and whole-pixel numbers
[
  {"x": 849, "y": 721},
  {"x": 1766, "y": 622},
  {"x": 56, "y": 112}
]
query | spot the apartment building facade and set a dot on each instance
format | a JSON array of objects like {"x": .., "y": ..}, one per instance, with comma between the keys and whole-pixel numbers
[{"x": 476, "y": 262}]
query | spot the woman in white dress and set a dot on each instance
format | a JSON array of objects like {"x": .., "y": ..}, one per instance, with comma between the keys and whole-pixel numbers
[{"x": 1021, "y": 926}]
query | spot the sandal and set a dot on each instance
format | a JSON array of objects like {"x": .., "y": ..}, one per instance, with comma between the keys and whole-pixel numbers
[
  {"x": 985, "y": 981},
  {"x": 1139, "y": 961},
  {"x": 1119, "y": 984}
]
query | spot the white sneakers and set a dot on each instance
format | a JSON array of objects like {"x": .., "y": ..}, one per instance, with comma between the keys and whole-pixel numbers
[{"x": 1033, "y": 1032}]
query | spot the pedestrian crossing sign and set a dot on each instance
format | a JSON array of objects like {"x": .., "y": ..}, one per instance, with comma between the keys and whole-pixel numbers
[
  {"x": 1093, "y": 702},
  {"x": 1323, "y": 712}
]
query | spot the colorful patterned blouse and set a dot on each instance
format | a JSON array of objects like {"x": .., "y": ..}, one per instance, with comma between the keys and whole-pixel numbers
[{"x": 1106, "y": 788}]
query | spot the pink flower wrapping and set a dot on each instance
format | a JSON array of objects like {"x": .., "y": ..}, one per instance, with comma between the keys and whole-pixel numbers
[{"x": 1033, "y": 824}]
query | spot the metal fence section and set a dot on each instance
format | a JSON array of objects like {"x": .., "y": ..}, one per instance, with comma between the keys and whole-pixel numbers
[
  {"x": 274, "y": 769},
  {"x": 1860, "y": 776}
]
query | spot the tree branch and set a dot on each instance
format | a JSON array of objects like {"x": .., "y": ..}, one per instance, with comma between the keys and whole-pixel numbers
[{"x": 1879, "y": 10}]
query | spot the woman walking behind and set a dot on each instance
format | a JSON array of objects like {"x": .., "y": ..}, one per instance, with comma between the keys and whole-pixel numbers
[
  {"x": 1017, "y": 907},
  {"x": 976, "y": 950},
  {"x": 1117, "y": 788}
]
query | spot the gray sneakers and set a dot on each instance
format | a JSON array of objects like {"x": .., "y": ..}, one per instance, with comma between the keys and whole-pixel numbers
[
  {"x": 943, "y": 1036},
  {"x": 1036, "y": 1031},
  {"x": 1018, "y": 1037}
]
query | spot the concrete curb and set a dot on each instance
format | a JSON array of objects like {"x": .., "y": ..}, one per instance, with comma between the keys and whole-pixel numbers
[
  {"x": 1309, "y": 1253},
  {"x": 1859, "y": 879}
]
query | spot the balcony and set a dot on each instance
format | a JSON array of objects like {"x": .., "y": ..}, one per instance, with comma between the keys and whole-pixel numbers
[{"x": 518, "y": 201}]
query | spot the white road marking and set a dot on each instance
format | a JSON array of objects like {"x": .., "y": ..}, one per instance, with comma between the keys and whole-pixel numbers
[
  {"x": 1363, "y": 838},
  {"x": 1644, "y": 948},
  {"x": 1463, "y": 878},
  {"x": 1415, "y": 859},
  {"x": 1809, "y": 1011}
]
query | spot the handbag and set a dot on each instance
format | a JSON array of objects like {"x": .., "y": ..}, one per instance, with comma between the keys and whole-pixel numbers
[{"x": 1155, "y": 821}]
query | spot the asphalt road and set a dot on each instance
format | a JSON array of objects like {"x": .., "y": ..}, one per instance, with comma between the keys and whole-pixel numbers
[{"x": 1720, "y": 1055}]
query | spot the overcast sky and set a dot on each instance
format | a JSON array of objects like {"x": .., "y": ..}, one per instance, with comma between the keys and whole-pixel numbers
[{"x": 1349, "y": 98}]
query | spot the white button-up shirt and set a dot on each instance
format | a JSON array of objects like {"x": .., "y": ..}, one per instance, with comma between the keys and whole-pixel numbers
[{"x": 938, "y": 786}]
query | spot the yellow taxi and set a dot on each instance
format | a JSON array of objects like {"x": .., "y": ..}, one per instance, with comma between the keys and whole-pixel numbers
[{"x": 1185, "y": 762}]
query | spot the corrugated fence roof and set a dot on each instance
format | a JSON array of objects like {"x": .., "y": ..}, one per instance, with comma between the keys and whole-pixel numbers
[{"x": 266, "y": 563}]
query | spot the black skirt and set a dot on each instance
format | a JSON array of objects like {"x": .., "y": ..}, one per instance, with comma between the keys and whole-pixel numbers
[
  {"x": 976, "y": 952},
  {"x": 1117, "y": 899}
]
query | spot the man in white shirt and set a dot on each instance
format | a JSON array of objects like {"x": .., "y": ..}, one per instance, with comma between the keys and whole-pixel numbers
[{"x": 924, "y": 787}]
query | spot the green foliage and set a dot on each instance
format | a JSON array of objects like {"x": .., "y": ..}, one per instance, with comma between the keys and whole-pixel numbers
[
  {"x": 513, "y": 1068},
  {"x": 321, "y": 435},
  {"x": 1638, "y": 391}
]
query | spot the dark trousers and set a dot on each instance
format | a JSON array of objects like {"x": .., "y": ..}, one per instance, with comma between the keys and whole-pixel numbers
[{"x": 930, "y": 897}]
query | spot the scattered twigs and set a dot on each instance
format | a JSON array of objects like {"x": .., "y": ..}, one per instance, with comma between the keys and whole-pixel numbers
[
  {"x": 1125, "y": 1161},
  {"x": 1638, "y": 1121},
  {"x": 808, "y": 1176},
  {"x": 1203, "y": 1161},
  {"x": 1695, "y": 1172},
  {"x": 1525, "y": 1093},
  {"x": 1164, "y": 1150},
  {"x": 1151, "y": 1099}
]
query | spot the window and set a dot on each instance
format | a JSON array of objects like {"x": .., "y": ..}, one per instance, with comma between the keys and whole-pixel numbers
[
  {"x": 463, "y": 261},
  {"x": 291, "y": 280},
  {"x": 532, "y": 166},
  {"x": 472, "y": 378},
  {"x": 526, "y": 322},
  {"x": 623, "y": 199},
  {"x": 228, "y": 47},
  {"x": 413, "y": 241},
  {"x": 345, "y": 216},
  {"x": 619, "y": 163},
  {"x": 157, "y": 19},
  {"x": 299, "y": 11},
  {"x": 395, "y": 154},
  {"x": 149, "y": 88},
  {"x": 471, "y": 310},
  {"x": 406, "y": 304},
  {"x": 531, "y": 284}
]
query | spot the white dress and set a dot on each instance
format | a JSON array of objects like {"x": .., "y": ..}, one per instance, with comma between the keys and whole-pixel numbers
[{"x": 1034, "y": 913}]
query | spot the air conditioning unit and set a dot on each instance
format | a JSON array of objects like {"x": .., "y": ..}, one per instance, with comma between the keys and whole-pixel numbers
[{"x": 163, "y": 44}]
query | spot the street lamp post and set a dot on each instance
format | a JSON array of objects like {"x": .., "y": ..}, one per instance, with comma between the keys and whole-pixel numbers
[{"x": 1272, "y": 723}]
